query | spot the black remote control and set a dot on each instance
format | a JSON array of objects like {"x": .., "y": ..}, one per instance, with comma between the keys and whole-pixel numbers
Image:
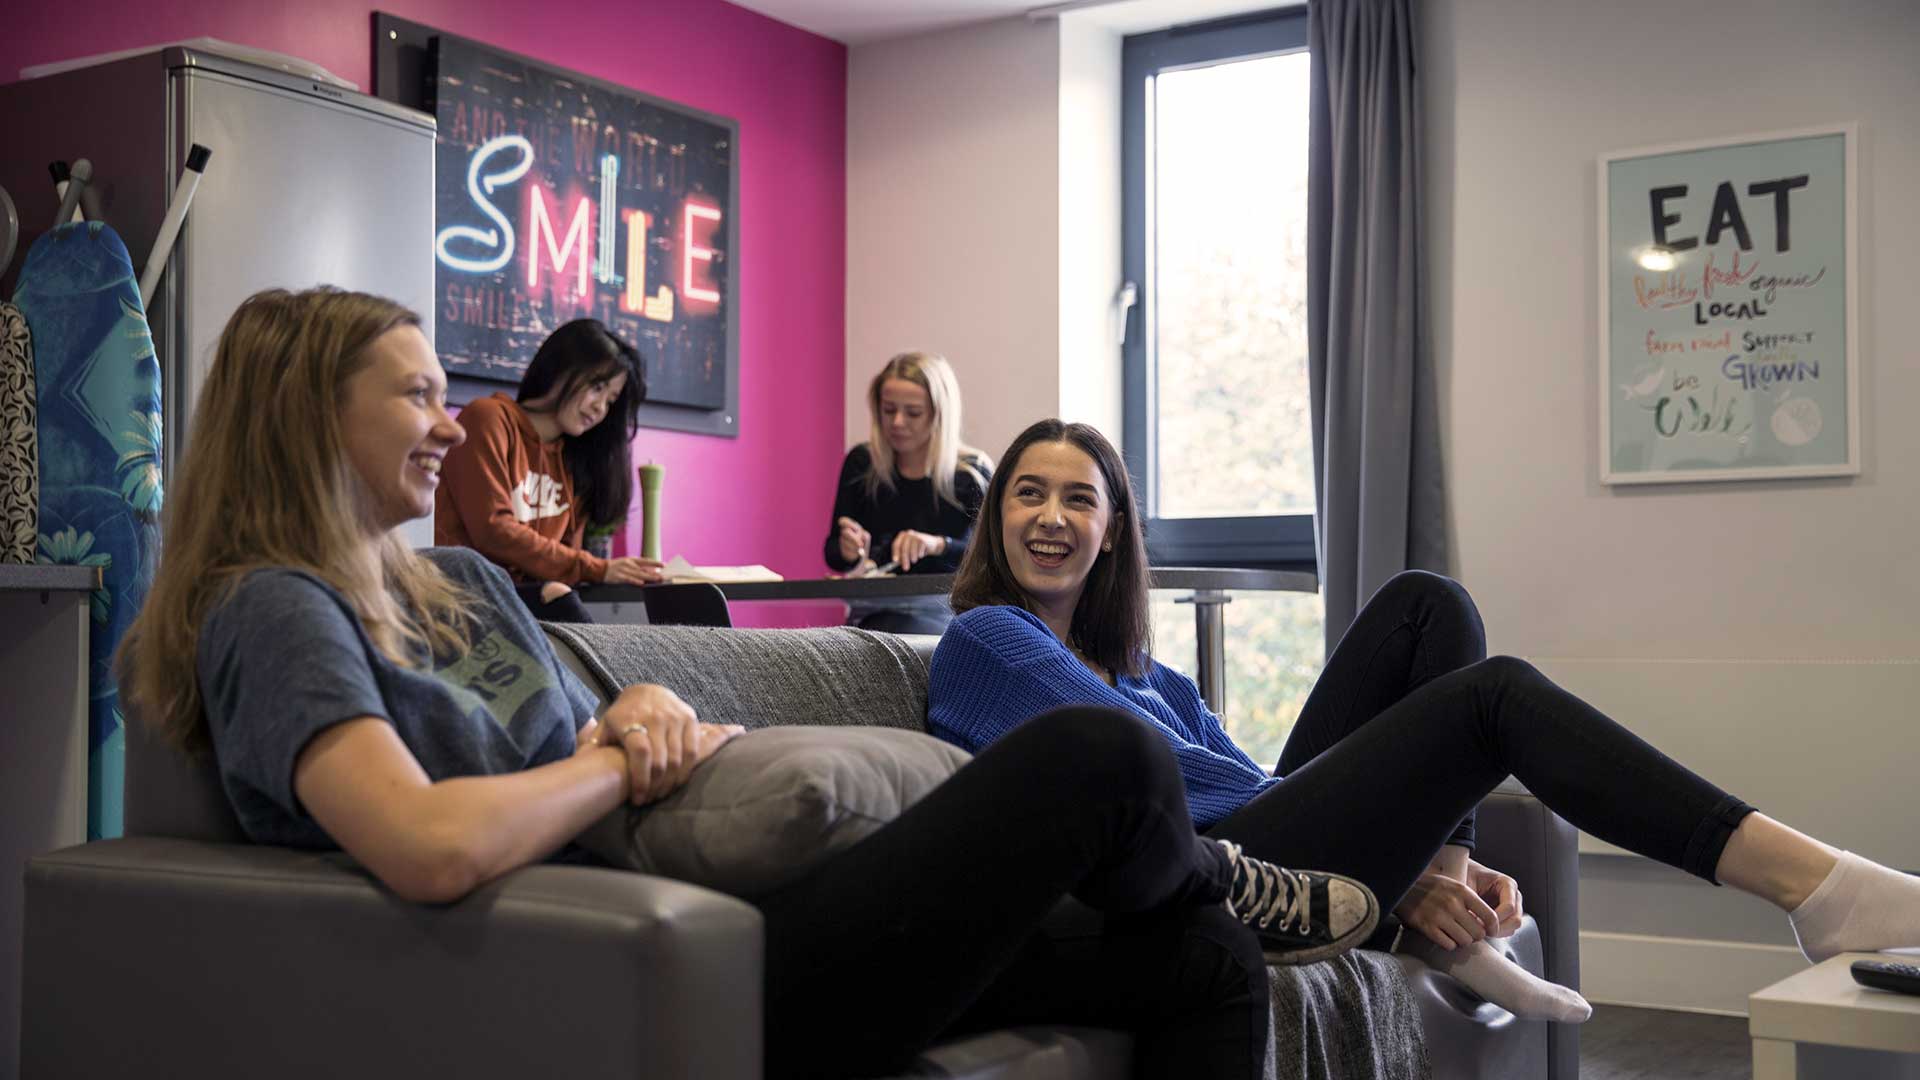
[{"x": 1882, "y": 975}]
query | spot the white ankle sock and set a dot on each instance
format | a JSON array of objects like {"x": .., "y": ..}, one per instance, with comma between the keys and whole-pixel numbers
[
  {"x": 1489, "y": 972},
  {"x": 1861, "y": 907}
]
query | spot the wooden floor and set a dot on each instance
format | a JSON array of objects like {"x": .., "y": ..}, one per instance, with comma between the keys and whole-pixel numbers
[{"x": 1653, "y": 1044}]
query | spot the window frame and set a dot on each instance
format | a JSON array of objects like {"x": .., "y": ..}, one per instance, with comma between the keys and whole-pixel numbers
[{"x": 1277, "y": 541}]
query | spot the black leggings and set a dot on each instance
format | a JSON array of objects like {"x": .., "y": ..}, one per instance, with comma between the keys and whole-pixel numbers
[
  {"x": 563, "y": 608},
  {"x": 1410, "y": 725},
  {"x": 893, "y": 621},
  {"x": 930, "y": 927}
]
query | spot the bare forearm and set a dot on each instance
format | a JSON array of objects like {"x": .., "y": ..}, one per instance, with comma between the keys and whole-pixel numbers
[
  {"x": 1450, "y": 861},
  {"x": 501, "y": 823},
  {"x": 435, "y": 841}
]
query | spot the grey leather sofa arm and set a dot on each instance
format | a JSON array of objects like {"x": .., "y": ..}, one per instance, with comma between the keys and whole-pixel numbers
[
  {"x": 1518, "y": 835},
  {"x": 164, "y": 957}
]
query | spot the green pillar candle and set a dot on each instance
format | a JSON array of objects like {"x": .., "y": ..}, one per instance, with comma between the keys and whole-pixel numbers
[{"x": 650, "y": 477}]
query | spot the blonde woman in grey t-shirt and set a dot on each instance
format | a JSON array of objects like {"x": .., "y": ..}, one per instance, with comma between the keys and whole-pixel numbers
[{"x": 406, "y": 708}]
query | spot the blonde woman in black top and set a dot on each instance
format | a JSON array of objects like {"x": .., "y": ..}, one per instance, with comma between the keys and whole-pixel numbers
[{"x": 908, "y": 495}]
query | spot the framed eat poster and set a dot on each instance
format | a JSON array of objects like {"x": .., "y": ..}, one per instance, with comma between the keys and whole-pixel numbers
[{"x": 1728, "y": 343}]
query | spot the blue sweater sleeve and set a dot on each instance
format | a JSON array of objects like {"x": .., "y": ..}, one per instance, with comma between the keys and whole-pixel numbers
[
  {"x": 998, "y": 667},
  {"x": 1184, "y": 698}
]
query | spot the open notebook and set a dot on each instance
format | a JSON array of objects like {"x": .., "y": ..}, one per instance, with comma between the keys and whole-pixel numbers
[{"x": 679, "y": 569}]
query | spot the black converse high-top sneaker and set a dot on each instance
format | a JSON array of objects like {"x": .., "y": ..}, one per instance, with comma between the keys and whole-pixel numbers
[{"x": 1300, "y": 916}]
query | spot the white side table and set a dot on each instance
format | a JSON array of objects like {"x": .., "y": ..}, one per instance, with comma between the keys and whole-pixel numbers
[
  {"x": 1823, "y": 1007},
  {"x": 44, "y": 623}
]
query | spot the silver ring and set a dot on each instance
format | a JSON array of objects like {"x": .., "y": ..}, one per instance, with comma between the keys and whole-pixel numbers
[{"x": 626, "y": 731}]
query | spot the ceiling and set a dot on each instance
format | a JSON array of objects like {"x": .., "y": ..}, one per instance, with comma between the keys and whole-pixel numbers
[{"x": 859, "y": 22}]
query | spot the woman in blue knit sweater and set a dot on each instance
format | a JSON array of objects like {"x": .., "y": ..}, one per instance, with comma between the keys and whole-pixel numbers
[{"x": 1409, "y": 726}]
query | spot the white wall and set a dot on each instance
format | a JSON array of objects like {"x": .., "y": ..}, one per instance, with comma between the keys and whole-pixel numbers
[
  {"x": 1089, "y": 224},
  {"x": 1765, "y": 632},
  {"x": 953, "y": 217},
  {"x": 983, "y": 218}
]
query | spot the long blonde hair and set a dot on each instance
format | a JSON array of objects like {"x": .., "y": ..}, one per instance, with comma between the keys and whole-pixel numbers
[
  {"x": 265, "y": 482},
  {"x": 946, "y": 454}
]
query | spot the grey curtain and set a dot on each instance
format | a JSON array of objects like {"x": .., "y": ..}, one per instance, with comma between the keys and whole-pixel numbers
[{"x": 1376, "y": 446}]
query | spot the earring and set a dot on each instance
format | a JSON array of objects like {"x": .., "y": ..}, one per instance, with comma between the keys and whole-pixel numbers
[{"x": 1108, "y": 546}]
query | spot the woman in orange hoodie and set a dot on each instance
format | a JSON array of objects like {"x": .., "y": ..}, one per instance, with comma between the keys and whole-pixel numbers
[{"x": 535, "y": 471}]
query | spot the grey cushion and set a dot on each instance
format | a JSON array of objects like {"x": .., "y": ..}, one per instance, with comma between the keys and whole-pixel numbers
[
  {"x": 772, "y": 803},
  {"x": 827, "y": 676}
]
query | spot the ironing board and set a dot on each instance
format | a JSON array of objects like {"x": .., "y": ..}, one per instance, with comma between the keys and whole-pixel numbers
[{"x": 98, "y": 395}]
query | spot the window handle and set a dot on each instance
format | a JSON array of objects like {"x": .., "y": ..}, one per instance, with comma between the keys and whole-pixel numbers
[{"x": 1123, "y": 302}]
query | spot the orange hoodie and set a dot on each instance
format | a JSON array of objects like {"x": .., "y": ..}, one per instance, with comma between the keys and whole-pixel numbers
[{"x": 509, "y": 496}]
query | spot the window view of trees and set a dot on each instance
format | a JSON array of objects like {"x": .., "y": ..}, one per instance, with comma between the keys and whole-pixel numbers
[
  {"x": 1230, "y": 275},
  {"x": 1232, "y": 423},
  {"x": 1274, "y": 652}
]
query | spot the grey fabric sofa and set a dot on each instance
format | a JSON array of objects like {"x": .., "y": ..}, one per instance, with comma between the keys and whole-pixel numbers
[{"x": 183, "y": 950}]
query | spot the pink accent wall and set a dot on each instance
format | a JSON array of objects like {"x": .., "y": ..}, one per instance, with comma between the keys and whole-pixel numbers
[{"x": 764, "y": 497}]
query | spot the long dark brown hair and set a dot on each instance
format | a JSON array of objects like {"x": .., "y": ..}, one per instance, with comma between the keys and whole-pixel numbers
[
  {"x": 600, "y": 459},
  {"x": 1110, "y": 626}
]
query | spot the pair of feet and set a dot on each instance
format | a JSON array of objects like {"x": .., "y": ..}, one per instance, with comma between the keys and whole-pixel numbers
[{"x": 1304, "y": 916}]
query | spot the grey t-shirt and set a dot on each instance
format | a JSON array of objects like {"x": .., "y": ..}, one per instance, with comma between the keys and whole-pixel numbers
[{"x": 285, "y": 657}]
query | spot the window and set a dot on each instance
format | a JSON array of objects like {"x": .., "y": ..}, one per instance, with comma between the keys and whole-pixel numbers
[{"x": 1217, "y": 422}]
